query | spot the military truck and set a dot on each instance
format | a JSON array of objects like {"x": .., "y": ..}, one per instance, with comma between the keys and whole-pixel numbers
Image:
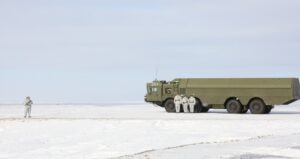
[{"x": 237, "y": 95}]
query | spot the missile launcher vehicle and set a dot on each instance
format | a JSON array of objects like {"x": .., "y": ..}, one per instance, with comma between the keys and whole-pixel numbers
[{"x": 237, "y": 95}]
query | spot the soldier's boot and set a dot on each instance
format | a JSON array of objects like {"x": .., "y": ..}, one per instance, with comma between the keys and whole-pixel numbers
[
  {"x": 192, "y": 108},
  {"x": 177, "y": 107},
  {"x": 185, "y": 108}
]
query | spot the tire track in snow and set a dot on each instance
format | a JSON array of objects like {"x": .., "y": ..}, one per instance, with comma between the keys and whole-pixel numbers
[{"x": 202, "y": 143}]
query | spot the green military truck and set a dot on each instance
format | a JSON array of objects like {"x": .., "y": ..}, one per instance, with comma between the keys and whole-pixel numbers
[{"x": 237, "y": 95}]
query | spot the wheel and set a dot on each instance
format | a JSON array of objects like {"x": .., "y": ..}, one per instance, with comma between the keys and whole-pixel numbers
[
  {"x": 170, "y": 106},
  {"x": 268, "y": 109},
  {"x": 234, "y": 106},
  {"x": 257, "y": 106}
]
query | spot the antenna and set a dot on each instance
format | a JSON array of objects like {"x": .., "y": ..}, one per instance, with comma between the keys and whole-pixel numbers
[{"x": 156, "y": 72}]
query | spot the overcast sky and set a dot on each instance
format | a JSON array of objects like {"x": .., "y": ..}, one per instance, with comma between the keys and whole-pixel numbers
[{"x": 93, "y": 51}]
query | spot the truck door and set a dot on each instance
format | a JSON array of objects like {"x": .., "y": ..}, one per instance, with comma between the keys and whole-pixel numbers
[
  {"x": 175, "y": 88},
  {"x": 156, "y": 90}
]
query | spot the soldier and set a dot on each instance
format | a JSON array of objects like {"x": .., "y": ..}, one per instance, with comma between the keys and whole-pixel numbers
[
  {"x": 185, "y": 103},
  {"x": 177, "y": 101},
  {"x": 28, "y": 102},
  {"x": 192, "y": 103}
]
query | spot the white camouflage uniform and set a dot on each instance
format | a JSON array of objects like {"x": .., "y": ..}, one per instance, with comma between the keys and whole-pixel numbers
[
  {"x": 177, "y": 101},
  {"x": 192, "y": 103},
  {"x": 185, "y": 103},
  {"x": 28, "y": 103}
]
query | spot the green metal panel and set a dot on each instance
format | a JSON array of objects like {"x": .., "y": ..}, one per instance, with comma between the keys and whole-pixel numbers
[{"x": 217, "y": 90}]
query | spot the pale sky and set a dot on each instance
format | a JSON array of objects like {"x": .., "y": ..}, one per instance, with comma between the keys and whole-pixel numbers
[{"x": 93, "y": 51}]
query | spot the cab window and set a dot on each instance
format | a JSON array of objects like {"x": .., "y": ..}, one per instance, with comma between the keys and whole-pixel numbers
[
  {"x": 148, "y": 89},
  {"x": 154, "y": 89}
]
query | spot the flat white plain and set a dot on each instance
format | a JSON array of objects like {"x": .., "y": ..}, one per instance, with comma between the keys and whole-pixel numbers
[{"x": 108, "y": 131}]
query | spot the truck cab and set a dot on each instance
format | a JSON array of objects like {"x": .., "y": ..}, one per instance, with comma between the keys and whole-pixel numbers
[{"x": 159, "y": 91}]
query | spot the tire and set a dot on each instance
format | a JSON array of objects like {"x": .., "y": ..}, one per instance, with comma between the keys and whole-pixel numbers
[
  {"x": 170, "y": 106},
  {"x": 268, "y": 109},
  {"x": 257, "y": 106},
  {"x": 234, "y": 106}
]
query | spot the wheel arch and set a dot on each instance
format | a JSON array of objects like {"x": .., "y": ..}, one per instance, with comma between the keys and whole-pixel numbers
[
  {"x": 199, "y": 106},
  {"x": 230, "y": 98},
  {"x": 163, "y": 103},
  {"x": 198, "y": 100}
]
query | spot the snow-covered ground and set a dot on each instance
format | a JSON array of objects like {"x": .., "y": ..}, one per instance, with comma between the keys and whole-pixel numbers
[{"x": 145, "y": 131}]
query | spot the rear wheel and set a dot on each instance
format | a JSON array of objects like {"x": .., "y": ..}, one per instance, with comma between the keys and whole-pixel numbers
[
  {"x": 257, "y": 106},
  {"x": 170, "y": 106},
  {"x": 234, "y": 106}
]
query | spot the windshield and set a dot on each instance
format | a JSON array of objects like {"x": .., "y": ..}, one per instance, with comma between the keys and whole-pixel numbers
[
  {"x": 154, "y": 89},
  {"x": 148, "y": 89},
  {"x": 151, "y": 89}
]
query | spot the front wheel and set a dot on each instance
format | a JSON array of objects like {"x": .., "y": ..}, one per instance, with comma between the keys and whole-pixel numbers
[
  {"x": 234, "y": 106},
  {"x": 170, "y": 106}
]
